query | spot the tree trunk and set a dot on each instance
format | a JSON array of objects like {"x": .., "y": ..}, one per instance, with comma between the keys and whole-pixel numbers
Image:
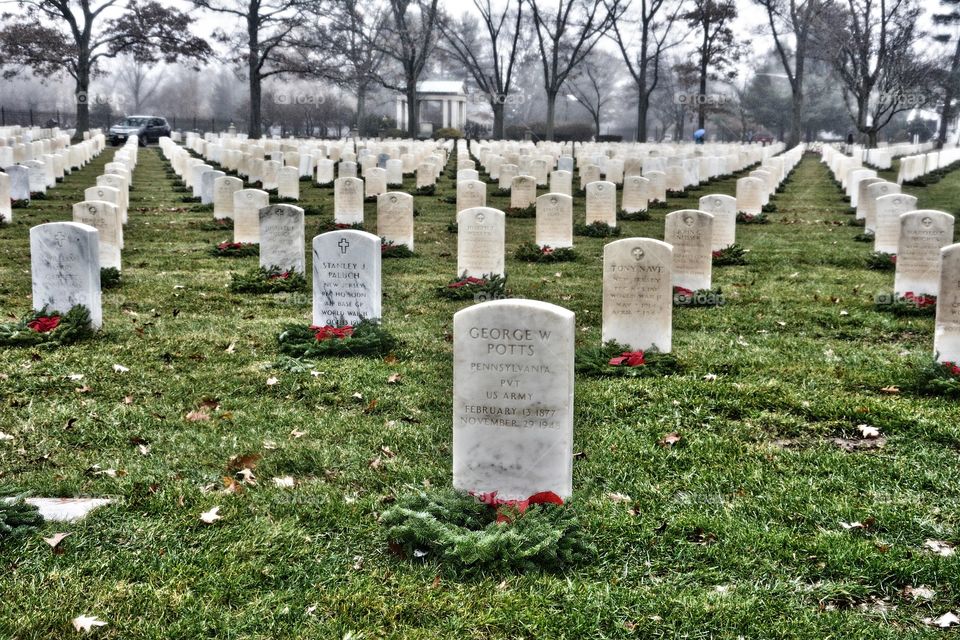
[
  {"x": 596, "y": 123},
  {"x": 872, "y": 137},
  {"x": 643, "y": 104},
  {"x": 498, "y": 116},
  {"x": 796, "y": 121},
  {"x": 551, "y": 113},
  {"x": 361, "y": 109},
  {"x": 83, "y": 106},
  {"x": 701, "y": 99},
  {"x": 413, "y": 109}
]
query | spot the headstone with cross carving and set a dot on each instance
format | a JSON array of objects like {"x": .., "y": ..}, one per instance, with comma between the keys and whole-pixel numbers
[
  {"x": 638, "y": 294},
  {"x": 690, "y": 233},
  {"x": 923, "y": 233},
  {"x": 480, "y": 242},
  {"x": 65, "y": 268},
  {"x": 346, "y": 277}
]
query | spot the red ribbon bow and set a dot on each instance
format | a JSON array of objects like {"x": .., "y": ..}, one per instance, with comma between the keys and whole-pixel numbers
[
  {"x": 546, "y": 251},
  {"x": 504, "y": 507},
  {"x": 629, "y": 358},
  {"x": 682, "y": 291},
  {"x": 280, "y": 276},
  {"x": 329, "y": 332},
  {"x": 952, "y": 367},
  {"x": 44, "y": 325},
  {"x": 465, "y": 282},
  {"x": 920, "y": 300},
  {"x": 229, "y": 245}
]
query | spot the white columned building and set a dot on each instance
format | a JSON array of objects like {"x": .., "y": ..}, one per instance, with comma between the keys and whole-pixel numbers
[{"x": 440, "y": 104}]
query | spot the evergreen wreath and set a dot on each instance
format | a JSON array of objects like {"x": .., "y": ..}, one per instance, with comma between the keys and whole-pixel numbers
[
  {"x": 329, "y": 225},
  {"x": 857, "y": 222},
  {"x": 267, "y": 280},
  {"x": 216, "y": 224},
  {"x": 731, "y": 255},
  {"x": 880, "y": 261},
  {"x": 613, "y": 359},
  {"x": 18, "y": 518},
  {"x": 365, "y": 338},
  {"x": 864, "y": 237},
  {"x": 390, "y": 250},
  {"x": 532, "y": 252},
  {"x": 488, "y": 287},
  {"x": 909, "y": 304},
  {"x": 427, "y": 190},
  {"x": 235, "y": 249},
  {"x": 110, "y": 278},
  {"x": 633, "y": 216},
  {"x": 530, "y": 211},
  {"x": 466, "y": 535},
  {"x": 453, "y": 227},
  {"x": 752, "y": 218},
  {"x": 938, "y": 379},
  {"x": 44, "y": 327},
  {"x": 598, "y": 229}
]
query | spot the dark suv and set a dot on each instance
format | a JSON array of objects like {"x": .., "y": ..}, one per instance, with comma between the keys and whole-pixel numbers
[{"x": 146, "y": 128}]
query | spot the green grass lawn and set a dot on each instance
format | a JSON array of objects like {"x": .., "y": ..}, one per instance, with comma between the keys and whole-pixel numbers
[{"x": 734, "y": 531}]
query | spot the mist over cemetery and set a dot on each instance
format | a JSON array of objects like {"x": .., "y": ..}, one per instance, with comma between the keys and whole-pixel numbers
[{"x": 508, "y": 319}]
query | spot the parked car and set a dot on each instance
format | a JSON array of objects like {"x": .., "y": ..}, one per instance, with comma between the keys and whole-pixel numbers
[{"x": 146, "y": 128}]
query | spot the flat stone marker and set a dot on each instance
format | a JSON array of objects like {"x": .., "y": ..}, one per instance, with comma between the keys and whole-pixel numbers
[
  {"x": 64, "y": 509},
  {"x": 638, "y": 294},
  {"x": 513, "y": 370},
  {"x": 288, "y": 182},
  {"x": 223, "y": 190},
  {"x": 65, "y": 268},
  {"x": 690, "y": 232},
  {"x": 634, "y": 196},
  {"x": 523, "y": 192},
  {"x": 348, "y": 200},
  {"x": 480, "y": 238},
  {"x": 554, "y": 225},
  {"x": 105, "y": 218},
  {"x": 923, "y": 233},
  {"x": 471, "y": 193},
  {"x": 346, "y": 277},
  {"x": 946, "y": 335},
  {"x": 246, "y": 214},
  {"x": 888, "y": 208},
  {"x": 282, "y": 238},
  {"x": 723, "y": 208},
  {"x": 395, "y": 218},
  {"x": 602, "y": 203},
  {"x": 750, "y": 193}
]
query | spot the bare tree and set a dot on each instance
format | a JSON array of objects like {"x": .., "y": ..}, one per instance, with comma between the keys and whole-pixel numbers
[
  {"x": 409, "y": 37},
  {"x": 872, "y": 42},
  {"x": 57, "y": 36},
  {"x": 718, "y": 49},
  {"x": 138, "y": 82},
  {"x": 566, "y": 30},
  {"x": 642, "y": 54},
  {"x": 350, "y": 31},
  {"x": 799, "y": 18},
  {"x": 594, "y": 84},
  {"x": 270, "y": 44},
  {"x": 489, "y": 58}
]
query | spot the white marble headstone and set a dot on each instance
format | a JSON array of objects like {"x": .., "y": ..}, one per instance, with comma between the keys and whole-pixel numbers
[
  {"x": 638, "y": 294},
  {"x": 246, "y": 214},
  {"x": 282, "y": 238},
  {"x": 65, "y": 268},
  {"x": 395, "y": 218},
  {"x": 346, "y": 277},
  {"x": 923, "y": 233},
  {"x": 690, "y": 232},
  {"x": 723, "y": 208},
  {"x": 554, "y": 225},
  {"x": 480, "y": 242},
  {"x": 946, "y": 335}
]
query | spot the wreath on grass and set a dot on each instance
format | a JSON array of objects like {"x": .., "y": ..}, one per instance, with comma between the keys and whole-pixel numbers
[
  {"x": 731, "y": 255},
  {"x": 683, "y": 297},
  {"x": 43, "y": 327},
  {"x": 598, "y": 229},
  {"x": 501, "y": 193},
  {"x": 312, "y": 210},
  {"x": 339, "y": 226},
  {"x": 909, "y": 304},
  {"x": 939, "y": 379},
  {"x": 18, "y": 518},
  {"x": 195, "y": 199},
  {"x": 235, "y": 249},
  {"x": 202, "y": 208},
  {"x": 427, "y": 190},
  {"x": 366, "y": 338},
  {"x": 768, "y": 208},
  {"x": 658, "y": 204},
  {"x": 633, "y": 216},
  {"x": 864, "y": 237},
  {"x": 532, "y": 252},
  {"x": 216, "y": 224},
  {"x": 453, "y": 227},
  {"x": 324, "y": 185},
  {"x": 388, "y": 249},
  {"x": 857, "y": 222},
  {"x": 678, "y": 194},
  {"x": 752, "y": 218},
  {"x": 469, "y": 535},
  {"x": 267, "y": 280},
  {"x": 530, "y": 211},
  {"x": 613, "y": 359},
  {"x": 488, "y": 287},
  {"x": 880, "y": 261},
  {"x": 110, "y": 278},
  {"x": 283, "y": 200},
  {"x": 448, "y": 199}
]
